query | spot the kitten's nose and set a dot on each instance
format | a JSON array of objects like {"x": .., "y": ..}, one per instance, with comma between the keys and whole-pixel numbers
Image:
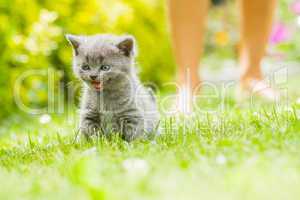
[{"x": 93, "y": 77}]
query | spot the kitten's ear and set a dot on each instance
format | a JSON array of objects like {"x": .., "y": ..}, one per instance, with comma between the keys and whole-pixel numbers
[
  {"x": 74, "y": 41},
  {"x": 127, "y": 45}
]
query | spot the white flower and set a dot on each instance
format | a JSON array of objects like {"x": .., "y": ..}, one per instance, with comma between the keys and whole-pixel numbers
[
  {"x": 298, "y": 20},
  {"x": 221, "y": 159},
  {"x": 256, "y": 114},
  {"x": 298, "y": 101},
  {"x": 45, "y": 118},
  {"x": 48, "y": 16},
  {"x": 90, "y": 151},
  {"x": 136, "y": 166}
]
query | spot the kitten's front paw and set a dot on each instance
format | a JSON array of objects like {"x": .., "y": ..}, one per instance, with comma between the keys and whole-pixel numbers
[
  {"x": 89, "y": 130},
  {"x": 131, "y": 130}
]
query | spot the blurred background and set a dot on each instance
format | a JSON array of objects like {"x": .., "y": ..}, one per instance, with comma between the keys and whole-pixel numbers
[{"x": 32, "y": 37}]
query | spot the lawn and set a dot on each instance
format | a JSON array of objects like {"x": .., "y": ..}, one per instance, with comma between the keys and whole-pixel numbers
[
  {"x": 240, "y": 152},
  {"x": 227, "y": 150}
]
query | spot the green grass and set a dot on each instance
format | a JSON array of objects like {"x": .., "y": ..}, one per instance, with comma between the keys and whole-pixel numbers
[{"x": 237, "y": 153}]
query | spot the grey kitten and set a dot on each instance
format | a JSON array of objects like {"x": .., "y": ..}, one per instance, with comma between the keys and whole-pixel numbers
[{"x": 113, "y": 99}]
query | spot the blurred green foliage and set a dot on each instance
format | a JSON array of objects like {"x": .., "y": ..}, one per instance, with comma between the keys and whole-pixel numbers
[{"x": 32, "y": 38}]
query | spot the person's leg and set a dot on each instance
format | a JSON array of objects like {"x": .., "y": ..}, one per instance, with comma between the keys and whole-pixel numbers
[
  {"x": 187, "y": 18},
  {"x": 256, "y": 24}
]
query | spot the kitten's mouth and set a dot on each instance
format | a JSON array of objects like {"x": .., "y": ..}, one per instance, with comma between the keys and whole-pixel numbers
[{"x": 97, "y": 85}]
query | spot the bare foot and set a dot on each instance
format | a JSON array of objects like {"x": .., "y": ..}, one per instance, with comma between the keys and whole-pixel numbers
[{"x": 258, "y": 87}]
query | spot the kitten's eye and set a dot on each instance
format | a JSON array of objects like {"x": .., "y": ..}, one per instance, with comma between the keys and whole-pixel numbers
[
  {"x": 85, "y": 67},
  {"x": 105, "y": 67}
]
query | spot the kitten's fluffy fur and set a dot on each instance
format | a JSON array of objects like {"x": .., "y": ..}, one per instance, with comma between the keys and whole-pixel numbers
[{"x": 113, "y": 99}]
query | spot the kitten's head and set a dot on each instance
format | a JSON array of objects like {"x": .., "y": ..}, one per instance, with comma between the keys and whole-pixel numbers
[{"x": 102, "y": 61}]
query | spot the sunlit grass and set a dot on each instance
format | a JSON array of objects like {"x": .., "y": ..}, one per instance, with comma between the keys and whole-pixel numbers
[{"x": 249, "y": 153}]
